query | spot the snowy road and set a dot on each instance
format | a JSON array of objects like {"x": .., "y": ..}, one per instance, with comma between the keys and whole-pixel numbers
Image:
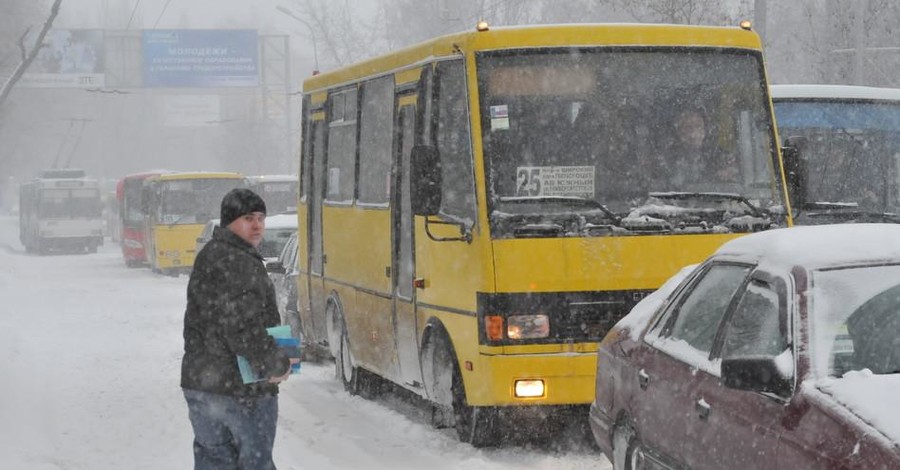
[{"x": 91, "y": 360}]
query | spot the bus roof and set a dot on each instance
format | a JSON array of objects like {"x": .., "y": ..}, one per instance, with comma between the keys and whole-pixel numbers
[
  {"x": 567, "y": 35},
  {"x": 186, "y": 175},
  {"x": 275, "y": 178},
  {"x": 143, "y": 174},
  {"x": 806, "y": 92}
]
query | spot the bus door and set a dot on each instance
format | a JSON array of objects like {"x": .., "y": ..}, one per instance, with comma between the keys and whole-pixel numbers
[
  {"x": 404, "y": 308},
  {"x": 316, "y": 262}
]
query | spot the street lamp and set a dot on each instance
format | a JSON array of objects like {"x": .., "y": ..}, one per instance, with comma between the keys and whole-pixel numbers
[{"x": 312, "y": 34}]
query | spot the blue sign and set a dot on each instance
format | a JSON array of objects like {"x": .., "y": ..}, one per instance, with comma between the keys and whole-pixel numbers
[{"x": 200, "y": 58}]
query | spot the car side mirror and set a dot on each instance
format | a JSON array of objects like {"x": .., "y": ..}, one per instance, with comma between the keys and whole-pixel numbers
[
  {"x": 426, "y": 179},
  {"x": 756, "y": 374},
  {"x": 795, "y": 169}
]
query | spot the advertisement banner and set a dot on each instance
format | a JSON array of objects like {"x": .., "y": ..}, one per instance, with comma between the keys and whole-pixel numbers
[
  {"x": 68, "y": 58},
  {"x": 200, "y": 58}
]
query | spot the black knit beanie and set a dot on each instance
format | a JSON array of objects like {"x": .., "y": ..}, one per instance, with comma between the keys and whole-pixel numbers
[{"x": 237, "y": 202}]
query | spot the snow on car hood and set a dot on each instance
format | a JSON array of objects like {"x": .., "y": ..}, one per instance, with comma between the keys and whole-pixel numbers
[{"x": 871, "y": 397}]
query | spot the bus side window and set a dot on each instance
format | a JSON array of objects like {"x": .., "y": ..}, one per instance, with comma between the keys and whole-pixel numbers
[{"x": 453, "y": 141}]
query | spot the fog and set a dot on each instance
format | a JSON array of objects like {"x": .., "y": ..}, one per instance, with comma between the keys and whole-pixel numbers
[{"x": 122, "y": 127}]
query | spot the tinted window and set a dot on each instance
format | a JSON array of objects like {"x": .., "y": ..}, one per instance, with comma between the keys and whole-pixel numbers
[
  {"x": 697, "y": 319},
  {"x": 341, "y": 174},
  {"x": 453, "y": 143},
  {"x": 376, "y": 139},
  {"x": 756, "y": 327}
]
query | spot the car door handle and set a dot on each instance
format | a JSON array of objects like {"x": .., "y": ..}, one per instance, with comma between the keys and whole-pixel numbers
[
  {"x": 643, "y": 379},
  {"x": 703, "y": 409}
]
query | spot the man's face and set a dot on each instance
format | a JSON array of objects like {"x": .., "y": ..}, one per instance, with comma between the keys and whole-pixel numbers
[
  {"x": 250, "y": 227},
  {"x": 691, "y": 129}
]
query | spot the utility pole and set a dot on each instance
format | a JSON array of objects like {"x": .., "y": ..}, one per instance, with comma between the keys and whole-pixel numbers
[{"x": 759, "y": 18}]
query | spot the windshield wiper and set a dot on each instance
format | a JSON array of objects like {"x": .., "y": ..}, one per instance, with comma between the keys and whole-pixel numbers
[
  {"x": 565, "y": 200},
  {"x": 681, "y": 196},
  {"x": 854, "y": 212}
]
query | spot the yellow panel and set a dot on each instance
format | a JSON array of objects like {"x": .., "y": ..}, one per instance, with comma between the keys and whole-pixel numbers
[
  {"x": 607, "y": 263},
  {"x": 176, "y": 244},
  {"x": 357, "y": 246}
]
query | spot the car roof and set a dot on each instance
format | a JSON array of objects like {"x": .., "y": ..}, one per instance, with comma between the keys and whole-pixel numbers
[
  {"x": 279, "y": 221},
  {"x": 817, "y": 246}
]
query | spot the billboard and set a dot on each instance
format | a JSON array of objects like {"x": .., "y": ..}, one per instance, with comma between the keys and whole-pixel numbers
[
  {"x": 68, "y": 58},
  {"x": 200, "y": 58}
]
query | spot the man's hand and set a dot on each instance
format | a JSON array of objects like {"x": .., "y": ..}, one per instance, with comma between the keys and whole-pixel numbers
[{"x": 275, "y": 380}]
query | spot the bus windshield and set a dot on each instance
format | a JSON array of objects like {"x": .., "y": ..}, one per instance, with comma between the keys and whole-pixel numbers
[
  {"x": 853, "y": 150},
  {"x": 70, "y": 203},
  {"x": 132, "y": 215},
  {"x": 280, "y": 196},
  {"x": 194, "y": 201},
  {"x": 598, "y": 132}
]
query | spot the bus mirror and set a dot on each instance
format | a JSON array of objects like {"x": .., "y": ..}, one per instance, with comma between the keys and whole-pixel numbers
[
  {"x": 426, "y": 179},
  {"x": 795, "y": 170}
]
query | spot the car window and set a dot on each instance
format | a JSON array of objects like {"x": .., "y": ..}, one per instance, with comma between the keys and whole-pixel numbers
[
  {"x": 696, "y": 320},
  {"x": 758, "y": 325},
  {"x": 854, "y": 320}
]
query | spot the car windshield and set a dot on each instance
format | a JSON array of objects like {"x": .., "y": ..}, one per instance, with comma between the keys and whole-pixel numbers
[
  {"x": 855, "y": 320},
  {"x": 274, "y": 240},
  {"x": 592, "y": 132}
]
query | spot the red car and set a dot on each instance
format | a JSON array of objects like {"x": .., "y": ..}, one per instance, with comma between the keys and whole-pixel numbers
[{"x": 782, "y": 350}]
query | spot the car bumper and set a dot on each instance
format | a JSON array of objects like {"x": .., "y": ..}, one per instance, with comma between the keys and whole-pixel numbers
[{"x": 601, "y": 427}]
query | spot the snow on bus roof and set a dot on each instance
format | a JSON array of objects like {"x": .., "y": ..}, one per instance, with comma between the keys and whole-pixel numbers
[
  {"x": 819, "y": 246},
  {"x": 834, "y": 92}
]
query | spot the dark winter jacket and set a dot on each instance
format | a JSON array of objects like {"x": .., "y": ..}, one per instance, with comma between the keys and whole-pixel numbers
[{"x": 230, "y": 303}]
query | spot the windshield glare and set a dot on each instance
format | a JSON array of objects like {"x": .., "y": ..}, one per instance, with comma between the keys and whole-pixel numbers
[
  {"x": 613, "y": 125},
  {"x": 855, "y": 320},
  {"x": 853, "y": 149}
]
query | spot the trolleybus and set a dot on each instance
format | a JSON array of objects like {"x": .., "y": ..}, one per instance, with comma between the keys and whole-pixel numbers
[{"x": 61, "y": 209}]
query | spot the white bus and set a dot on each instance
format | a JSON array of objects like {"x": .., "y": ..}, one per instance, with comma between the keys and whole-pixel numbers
[
  {"x": 61, "y": 210},
  {"x": 851, "y": 150}
]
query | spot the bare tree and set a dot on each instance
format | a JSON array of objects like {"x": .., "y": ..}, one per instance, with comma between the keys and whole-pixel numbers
[
  {"x": 28, "y": 52},
  {"x": 698, "y": 12},
  {"x": 342, "y": 35}
]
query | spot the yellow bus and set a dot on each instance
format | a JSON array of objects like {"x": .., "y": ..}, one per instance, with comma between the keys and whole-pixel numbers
[
  {"x": 176, "y": 206},
  {"x": 476, "y": 211}
]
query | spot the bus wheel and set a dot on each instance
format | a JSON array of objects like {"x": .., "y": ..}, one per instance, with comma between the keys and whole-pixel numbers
[
  {"x": 477, "y": 425},
  {"x": 356, "y": 380}
]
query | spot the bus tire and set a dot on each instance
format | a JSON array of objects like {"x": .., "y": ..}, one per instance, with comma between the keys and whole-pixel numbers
[
  {"x": 356, "y": 380},
  {"x": 476, "y": 425}
]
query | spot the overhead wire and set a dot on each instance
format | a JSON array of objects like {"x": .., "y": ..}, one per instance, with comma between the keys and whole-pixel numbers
[
  {"x": 133, "y": 11},
  {"x": 161, "y": 13}
]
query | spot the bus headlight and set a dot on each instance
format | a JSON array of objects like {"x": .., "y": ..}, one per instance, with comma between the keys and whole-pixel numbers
[
  {"x": 529, "y": 388},
  {"x": 527, "y": 326}
]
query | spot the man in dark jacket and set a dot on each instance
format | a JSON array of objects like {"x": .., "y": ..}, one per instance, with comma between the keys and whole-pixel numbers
[{"x": 231, "y": 302}]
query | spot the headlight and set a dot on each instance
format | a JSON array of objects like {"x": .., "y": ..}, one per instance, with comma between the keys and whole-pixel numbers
[{"x": 527, "y": 326}]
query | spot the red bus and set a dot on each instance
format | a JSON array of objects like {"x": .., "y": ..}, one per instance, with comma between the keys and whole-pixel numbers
[{"x": 131, "y": 218}]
